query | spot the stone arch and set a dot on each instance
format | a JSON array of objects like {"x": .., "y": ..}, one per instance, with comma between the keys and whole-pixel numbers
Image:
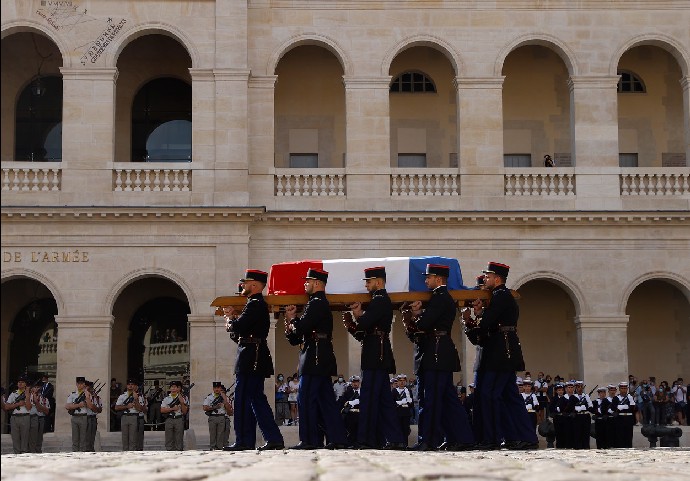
[
  {"x": 150, "y": 28},
  {"x": 544, "y": 40},
  {"x": 135, "y": 275},
  {"x": 665, "y": 42},
  {"x": 27, "y": 25},
  {"x": 310, "y": 39},
  {"x": 15, "y": 273},
  {"x": 422, "y": 40},
  {"x": 682, "y": 283},
  {"x": 576, "y": 295}
]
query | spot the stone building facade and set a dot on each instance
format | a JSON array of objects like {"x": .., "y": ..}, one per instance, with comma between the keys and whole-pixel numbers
[{"x": 153, "y": 150}]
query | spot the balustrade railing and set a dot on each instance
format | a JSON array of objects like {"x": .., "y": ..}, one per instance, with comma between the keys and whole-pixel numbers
[
  {"x": 32, "y": 177},
  {"x": 152, "y": 179},
  {"x": 655, "y": 182},
  {"x": 429, "y": 182},
  {"x": 318, "y": 183},
  {"x": 539, "y": 182}
]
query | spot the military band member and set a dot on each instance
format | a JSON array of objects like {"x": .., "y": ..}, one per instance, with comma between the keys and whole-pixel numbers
[
  {"x": 76, "y": 406},
  {"x": 253, "y": 364},
  {"x": 623, "y": 407},
  {"x": 583, "y": 419},
  {"x": 403, "y": 401},
  {"x": 372, "y": 329},
  {"x": 350, "y": 400},
  {"x": 313, "y": 330},
  {"x": 94, "y": 406},
  {"x": 131, "y": 404},
  {"x": 18, "y": 405},
  {"x": 175, "y": 406},
  {"x": 600, "y": 411},
  {"x": 441, "y": 411},
  {"x": 40, "y": 410},
  {"x": 216, "y": 406},
  {"x": 530, "y": 400},
  {"x": 497, "y": 394}
]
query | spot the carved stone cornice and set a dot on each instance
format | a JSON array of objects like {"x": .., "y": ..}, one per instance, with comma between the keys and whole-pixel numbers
[{"x": 223, "y": 214}]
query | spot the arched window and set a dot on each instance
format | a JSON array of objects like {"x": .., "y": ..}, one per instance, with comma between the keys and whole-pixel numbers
[
  {"x": 162, "y": 122},
  {"x": 413, "y": 82},
  {"x": 630, "y": 83},
  {"x": 38, "y": 125}
]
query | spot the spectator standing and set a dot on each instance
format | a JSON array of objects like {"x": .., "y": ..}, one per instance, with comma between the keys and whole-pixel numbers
[
  {"x": 680, "y": 399},
  {"x": 282, "y": 405},
  {"x": 339, "y": 387},
  {"x": 645, "y": 403},
  {"x": 293, "y": 392},
  {"x": 660, "y": 403}
]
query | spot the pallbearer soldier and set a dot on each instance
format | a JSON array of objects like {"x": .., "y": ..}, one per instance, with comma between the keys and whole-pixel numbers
[
  {"x": 94, "y": 407},
  {"x": 600, "y": 411},
  {"x": 40, "y": 410},
  {"x": 350, "y": 410},
  {"x": 496, "y": 392},
  {"x": 216, "y": 406},
  {"x": 623, "y": 407},
  {"x": 249, "y": 329},
  {"x": 583, "y": 419},
  {"x": 131, "y": 404},
  {"x": 372, "y": 329},
  {"x": 18, "y": 405},
  {"x": 313, "y": 330},
  {"x": 175, "y": 406},
  {"x": 403, "y": 400},
  {"x": 438, "y": 358},
  {"x": 77, "y": 407}
]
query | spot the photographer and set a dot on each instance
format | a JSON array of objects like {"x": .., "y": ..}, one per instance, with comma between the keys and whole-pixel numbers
[
  {"x": 644, "y": 401},
  {"x": 660, "y": 404}
]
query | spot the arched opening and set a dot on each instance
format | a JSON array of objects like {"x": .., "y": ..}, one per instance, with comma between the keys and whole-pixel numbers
[
  {"x": 651, "y": 131},
  {"x": 150, "y": 336},
  {"x": 547, "y": 329},
  {"x": 29, "y": 335},
  {"x": 423, "y": 109},
  {"x": 309, "y": 109},
  {"x": 153, "y": 112},
  {"x": 658, "y": 331},
  {"x": 536, "y": 108},
  {"x": 31, "y": 90}
]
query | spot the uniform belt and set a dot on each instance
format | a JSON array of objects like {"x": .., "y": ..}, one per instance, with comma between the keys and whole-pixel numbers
[
  {"x": 174, "y": 416},
  {"x": 250, "y": 340},
  {"x": 90, "y": 415},
  {"x": 130, "y": 414},
  {"x": 507, "y": 328},
  {"x": 79, "y": 414},
  {"x": 216, "y": 414},
  {"x": 33, "y": 415},
  {"x": 438, "y": 333},
  {"x": 377, "y": 332},
  {"x": 20, "y": 414},
  {"x": 625, "y": 414},
  {"x": 320, "y": 335}
]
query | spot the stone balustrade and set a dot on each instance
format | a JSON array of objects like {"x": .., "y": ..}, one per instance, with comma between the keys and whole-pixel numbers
[
  {"x": 31, "y": 176},
  {"x": 426, "y": 182},
  {"x": 151, "y": 178},
  {"x": 536, "y": 181},
  {"x": 310, "y": 183},
  {"x": 655, "y": 182},
  {"x": 165, "y": 353}
]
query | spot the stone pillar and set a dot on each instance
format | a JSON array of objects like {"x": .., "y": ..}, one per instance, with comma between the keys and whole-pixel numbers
[
  {"x": 603, "y": 346},
  {"x": 354, "y": 356},
  {"x": 469, "y": 355},
  {"x": 203, "y": 134},
  {"x": 202, "y": 366},
  {"x": 480, "y": 136},
  {"x": 367, "y": 139},
  {"x": 685, "y": 84},
  {"x": 88, "y": 131},
  {"x": 261, "y": 135},
  {"x": 594, "y": 140},
  {"x": 83, "y": 349}
]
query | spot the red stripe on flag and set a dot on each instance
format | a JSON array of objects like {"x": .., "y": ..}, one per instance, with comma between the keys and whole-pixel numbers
[{"x": 288, "y": 277}]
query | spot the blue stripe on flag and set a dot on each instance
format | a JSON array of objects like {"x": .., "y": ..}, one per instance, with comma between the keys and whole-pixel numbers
[{"x": 418, "y": 267}]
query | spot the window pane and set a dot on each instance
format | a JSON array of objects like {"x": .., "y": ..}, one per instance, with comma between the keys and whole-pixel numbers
[
  {"x": 304, "y": 161},
  {"x": 517, "y": 160},
  {"x": 38, "y": 121},
  {"x": 627, "y": 160},
  {"x": 411, "y": 160}
]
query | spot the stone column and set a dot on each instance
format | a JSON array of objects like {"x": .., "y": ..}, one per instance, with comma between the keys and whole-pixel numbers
[
  {"x": 83, "y": 349},
  {"x": 480, "y": 136},
  {"x": 261, "y": 135},
  {"x": 354, "y": 356},
  {"x": 368, "y": 161},
  {"x": 685, "y": 84},
  {"x": 603, "y": 346},
  {"x": 202, "y": 367},
  {"x": 203, "y": 134},
  {"x": 88, "y": 132},
  {"x": 469, "y": 355},
  {"x": 594, "y": 140}
]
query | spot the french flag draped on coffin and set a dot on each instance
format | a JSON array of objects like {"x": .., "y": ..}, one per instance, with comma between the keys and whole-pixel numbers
[{"x": 403, "y": 274}]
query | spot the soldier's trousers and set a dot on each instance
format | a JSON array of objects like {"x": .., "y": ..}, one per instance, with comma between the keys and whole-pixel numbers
[
  {"x": 316, "y": 404},
  {"x": 91, "y": 428},
  {"x": 583, "y": 427},
  {"x": 442, "y": 411},
  {"x": 252, "y": 408},
  {"x": 130, "y": 432},
  {"x": 600, "y": 430},
  {"x": 20, "y": 425},
  {"x": 623, "y": 434},
  {"x": 216, "y": 431},
  {"x": 226, "y": 433},
  {"x": 174, "y": 433},
  {"x": 79, "y": 436},
  {"x": 36, "y": 429},
  {"x": 377, "y": 410}
]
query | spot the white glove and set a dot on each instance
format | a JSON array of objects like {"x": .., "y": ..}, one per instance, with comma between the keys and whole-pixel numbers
[
  {"x": 623, "y": 407},
  {"x": 528, "y": 406},
  {"x": 353, "y": 403}
]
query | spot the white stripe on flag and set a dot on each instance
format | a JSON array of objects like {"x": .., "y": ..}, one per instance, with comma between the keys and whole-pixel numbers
[{"x": 345, "y": 275}]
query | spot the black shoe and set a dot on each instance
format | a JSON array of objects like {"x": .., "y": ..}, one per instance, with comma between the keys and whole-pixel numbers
[
  {"x": 421, "y": 447},
  {"x": 486, "y": 447},
  {"x": 446, "y": 446},
  {"x": 302, "y": 446},
  {"x": 394, "y": 446},
  {"x": 335, "y": 446},
  {"x": 462, "y": 447},
  {"x": 364, "y": 446},
  {"x": 236, "y": 447},
  {"x": 521, "y": 445},
  {"x": 271, "y": 447}
]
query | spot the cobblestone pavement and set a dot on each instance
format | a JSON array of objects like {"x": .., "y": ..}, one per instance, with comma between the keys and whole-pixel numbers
[{"x": 669, "y": 464}]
